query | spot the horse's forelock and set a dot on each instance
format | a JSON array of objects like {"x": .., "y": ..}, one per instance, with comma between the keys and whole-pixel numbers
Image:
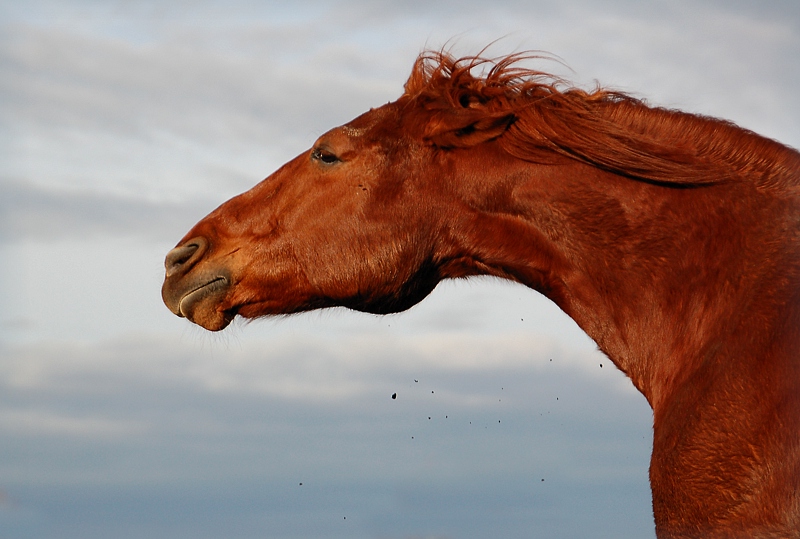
[{"x": 438, "y": 77}]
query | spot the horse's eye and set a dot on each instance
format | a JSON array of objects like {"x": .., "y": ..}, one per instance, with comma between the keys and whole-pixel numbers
[{"x": 324, "y": 156}]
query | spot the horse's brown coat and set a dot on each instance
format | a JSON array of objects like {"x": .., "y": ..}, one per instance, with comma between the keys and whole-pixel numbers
[{"x": 673, "y": 240}]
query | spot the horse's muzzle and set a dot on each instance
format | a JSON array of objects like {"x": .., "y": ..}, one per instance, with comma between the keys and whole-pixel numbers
[{"x": 196, "y": 295}]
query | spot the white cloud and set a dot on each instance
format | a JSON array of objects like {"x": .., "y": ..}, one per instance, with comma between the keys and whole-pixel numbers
[
  {"x": 132, "y": 403},
  {"x": 49, "y": 423},
  {"x": 329, "y": 367}
]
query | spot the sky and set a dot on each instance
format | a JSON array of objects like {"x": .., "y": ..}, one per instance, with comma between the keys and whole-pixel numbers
[{"x": 124, "y": 123}]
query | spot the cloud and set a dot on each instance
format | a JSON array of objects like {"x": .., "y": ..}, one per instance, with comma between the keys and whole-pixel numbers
[
  {"x": 52, "y": 424},
  {"x": 83, "y": 110},
  {"x": 333, "y": 367},
  {"x": 186, "y": 423},
  {"x": 188, "y": 427}
]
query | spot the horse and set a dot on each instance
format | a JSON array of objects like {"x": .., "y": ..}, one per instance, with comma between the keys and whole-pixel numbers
[{"x": 672, "y": 239}]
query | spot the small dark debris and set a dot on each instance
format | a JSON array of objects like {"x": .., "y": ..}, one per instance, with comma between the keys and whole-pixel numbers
[
  {"x": 301, "y": 484},
  {"x": 416, "y": 381},
  {"x": 394, "y": 395},
  {"x": 601, "y": 365},
  {"x": 431, "y": 392},
  {"x": 429, "y": 417}
]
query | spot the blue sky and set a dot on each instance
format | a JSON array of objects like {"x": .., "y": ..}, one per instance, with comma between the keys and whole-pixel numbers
[{"x": 123, "y": 123}]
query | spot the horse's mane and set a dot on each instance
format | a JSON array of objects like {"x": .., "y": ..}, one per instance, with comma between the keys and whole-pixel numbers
[{"x": 605, "y": 128}]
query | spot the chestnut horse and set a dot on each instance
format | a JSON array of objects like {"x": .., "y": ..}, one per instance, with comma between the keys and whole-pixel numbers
[{"x": 672, "y": 239}]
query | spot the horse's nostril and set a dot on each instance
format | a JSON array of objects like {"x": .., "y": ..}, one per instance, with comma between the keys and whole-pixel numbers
[
  {"x": 178, "y": 257},
  {"x": 182, "y": 258}
]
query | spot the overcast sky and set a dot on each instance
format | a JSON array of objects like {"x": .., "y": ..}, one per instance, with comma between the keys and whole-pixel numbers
[{"x": 123, "y": 123}]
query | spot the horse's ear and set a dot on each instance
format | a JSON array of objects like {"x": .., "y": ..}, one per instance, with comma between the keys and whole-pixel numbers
[{"x": 466, "y": 127}]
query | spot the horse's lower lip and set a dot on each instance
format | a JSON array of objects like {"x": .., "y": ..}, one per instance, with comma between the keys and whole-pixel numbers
[{"x": 196, "y": 294}]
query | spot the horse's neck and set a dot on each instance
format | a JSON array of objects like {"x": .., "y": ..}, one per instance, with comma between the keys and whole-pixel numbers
[
  {"x": 694, "y": 293},
  {"x": 660, "y": 278}
]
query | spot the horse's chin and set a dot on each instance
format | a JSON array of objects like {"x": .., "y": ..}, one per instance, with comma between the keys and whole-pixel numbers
[{"x": 206, "y": 313}]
